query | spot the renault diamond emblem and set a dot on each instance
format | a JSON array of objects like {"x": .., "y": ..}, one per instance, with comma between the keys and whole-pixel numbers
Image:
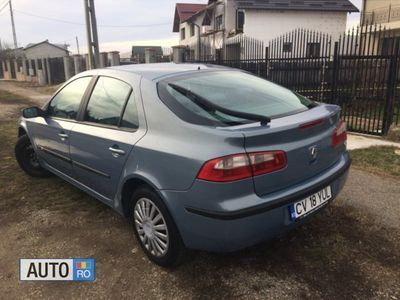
[{"x": 313, "y": 153}]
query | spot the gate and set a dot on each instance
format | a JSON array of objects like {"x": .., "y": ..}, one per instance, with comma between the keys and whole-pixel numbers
[
  {"x": 57, "y": 70},
  {"x": 301, "y": 61},
  {"x": 359, "y": 72}
]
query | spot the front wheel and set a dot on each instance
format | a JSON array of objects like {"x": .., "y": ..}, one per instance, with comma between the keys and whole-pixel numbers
[
  {"x": 155, "y": 229},
  {"x": 27, "y": 159}
]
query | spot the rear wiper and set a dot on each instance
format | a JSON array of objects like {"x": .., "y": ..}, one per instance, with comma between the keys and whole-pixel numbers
[{"x": 207, "y": 105}]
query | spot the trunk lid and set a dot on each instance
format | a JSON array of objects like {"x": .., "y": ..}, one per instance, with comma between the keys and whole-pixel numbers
[{"x": 309, "y": 149}]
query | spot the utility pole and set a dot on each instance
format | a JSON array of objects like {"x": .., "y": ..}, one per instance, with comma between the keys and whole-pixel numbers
[
  {"x": 88, "y": 35},
  {"x": 77, "y": 45},
  {"x": 91, "y": 33},
  {"x": 13, "y": 25},
  {"x": 94, "y": 34}
]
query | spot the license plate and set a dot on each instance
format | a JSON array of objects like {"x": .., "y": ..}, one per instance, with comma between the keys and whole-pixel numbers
[{"x": 311, "y": 203}]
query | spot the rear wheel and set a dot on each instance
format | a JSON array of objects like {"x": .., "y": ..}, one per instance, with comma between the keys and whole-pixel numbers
[
  {"x": 27, "y": 159},
  {"x": 155, "y": 229}
]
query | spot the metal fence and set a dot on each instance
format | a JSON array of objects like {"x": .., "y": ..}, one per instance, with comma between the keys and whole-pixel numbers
[{"x": 359, "y": 71}]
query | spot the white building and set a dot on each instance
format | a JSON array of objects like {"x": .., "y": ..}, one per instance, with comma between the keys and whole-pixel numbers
[
  {"x": 385, "y": 13},
  {"x": 263, "y": 20},
  {"x": 45, "y": 50},
  {"x": 188, "y": 21}
]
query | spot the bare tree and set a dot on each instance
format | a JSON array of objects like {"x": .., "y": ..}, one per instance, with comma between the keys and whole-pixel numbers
[{"x": 6, "y": 52}]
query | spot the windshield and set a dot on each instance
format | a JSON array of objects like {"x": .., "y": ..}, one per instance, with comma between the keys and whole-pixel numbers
[{"x": 234, "y": 90}]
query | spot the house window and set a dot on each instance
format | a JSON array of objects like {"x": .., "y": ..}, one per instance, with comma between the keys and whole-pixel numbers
[
  {"x": 183, "y": 34},
  {"x": 240, "y": 20},
  {"x": 219, "y": 22},
  {"x": 192, "y": 30},
  {"x": 287, "y": 47},
  {"x": 313, "y": 49}
]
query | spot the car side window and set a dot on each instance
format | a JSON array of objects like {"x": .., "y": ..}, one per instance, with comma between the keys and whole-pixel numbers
[
  {"x": 130, "y": 119},
  {"x": 107, "y": 101},
  {"x": 66, "y": 103}
]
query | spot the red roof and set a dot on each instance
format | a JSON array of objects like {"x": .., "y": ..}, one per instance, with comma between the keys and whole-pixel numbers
[{"x": 184, "y": 11}]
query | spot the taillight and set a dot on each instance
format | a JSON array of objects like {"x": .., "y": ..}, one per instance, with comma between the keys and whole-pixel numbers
[
  {"x": 240, "y": 166},
  {"x": 267, "y": 162},
  {"x": 340, "y": 134}
]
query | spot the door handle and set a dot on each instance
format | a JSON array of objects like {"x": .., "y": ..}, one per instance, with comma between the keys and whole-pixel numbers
[
  {"x": 63, "y": 136},
  {"x": 116, "y": 151}
]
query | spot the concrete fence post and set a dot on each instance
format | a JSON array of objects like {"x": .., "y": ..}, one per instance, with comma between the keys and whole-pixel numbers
[
  {"x": 77, "y": 64},
  {"x": 39, "y": 73},
  {"x": 24, "y": 68},
  {"x": 9, "y": 69},
  {"x": 178, "y": 54},
  {"x": 44, "y": 70},
  {"x": 87, "y": 62},
  {"x": 103, "y": 60},
  {"x": 67, "y": 67},
  {"x": 150, "y": 55},
  {"x": 114, "y": 58}
]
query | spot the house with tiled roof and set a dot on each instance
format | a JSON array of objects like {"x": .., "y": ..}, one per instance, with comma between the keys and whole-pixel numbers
[
  {"x": 188, "y": 21},
  {"x": 206, "y": 28}
]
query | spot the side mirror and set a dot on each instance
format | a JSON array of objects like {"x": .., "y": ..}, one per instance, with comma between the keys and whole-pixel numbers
[{"x": 32, "y": 112}]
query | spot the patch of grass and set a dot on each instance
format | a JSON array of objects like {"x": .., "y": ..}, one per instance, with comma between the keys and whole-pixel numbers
[
  {"x": 18, "y": 189},
  {"x": 381, "y": 160}
]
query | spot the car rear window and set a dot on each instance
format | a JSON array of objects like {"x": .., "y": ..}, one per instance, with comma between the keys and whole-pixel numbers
[{"x": 234, "y": 90}]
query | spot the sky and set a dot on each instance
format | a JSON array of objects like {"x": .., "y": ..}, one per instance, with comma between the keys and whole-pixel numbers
[{"x": 121, "y": 23}]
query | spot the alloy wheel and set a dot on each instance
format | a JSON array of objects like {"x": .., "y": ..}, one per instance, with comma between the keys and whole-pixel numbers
[{"x": 151, "y": 227}]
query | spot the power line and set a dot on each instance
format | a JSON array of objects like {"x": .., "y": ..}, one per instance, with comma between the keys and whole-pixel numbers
[
  {"x": 47, "y": 18},
  {"x": 4, "y": 5},
  {"x": 81, "y": 24}
]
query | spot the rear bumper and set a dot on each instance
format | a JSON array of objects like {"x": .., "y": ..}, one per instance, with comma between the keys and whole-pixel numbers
[{"x": 225, "y": 229}]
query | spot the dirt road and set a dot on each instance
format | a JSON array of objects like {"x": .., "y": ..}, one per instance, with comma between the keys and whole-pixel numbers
[
  {"x": 349, "y": 251},
  {"x": 29, "y": 95}
]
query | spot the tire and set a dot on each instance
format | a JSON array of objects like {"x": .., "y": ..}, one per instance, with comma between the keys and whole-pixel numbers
[
  {"x": 27, "y": 160},
  {"x": 155, "y": 229}
]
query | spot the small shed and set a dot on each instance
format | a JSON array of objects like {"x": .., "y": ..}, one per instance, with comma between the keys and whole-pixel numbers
[{"x": 45, "y": 50}]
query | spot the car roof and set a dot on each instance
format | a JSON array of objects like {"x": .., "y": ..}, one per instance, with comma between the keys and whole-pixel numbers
[{"x": 158, "y": 70}]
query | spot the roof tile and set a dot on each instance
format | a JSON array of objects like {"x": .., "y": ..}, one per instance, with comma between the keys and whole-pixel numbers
[{"x": 318, "y": 5}]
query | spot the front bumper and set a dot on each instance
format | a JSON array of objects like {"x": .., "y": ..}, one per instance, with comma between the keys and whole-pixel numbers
[{"x": 244, "y": 225}]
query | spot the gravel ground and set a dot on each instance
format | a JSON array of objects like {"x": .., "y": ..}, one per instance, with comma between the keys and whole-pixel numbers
[
  {"x": 33, "y": 96},
  {"x": 348, "y": 251}
]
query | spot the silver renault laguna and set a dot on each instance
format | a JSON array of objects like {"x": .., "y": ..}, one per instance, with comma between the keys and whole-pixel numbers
[{"x": 196, "y": 156}]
